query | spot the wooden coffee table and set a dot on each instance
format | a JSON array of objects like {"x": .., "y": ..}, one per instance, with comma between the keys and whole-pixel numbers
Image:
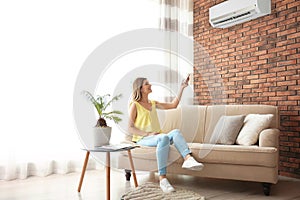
[{"x": 107, "y": 167}]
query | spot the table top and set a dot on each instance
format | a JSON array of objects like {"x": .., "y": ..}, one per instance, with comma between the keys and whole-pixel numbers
[{"x": 111, "y": 148}]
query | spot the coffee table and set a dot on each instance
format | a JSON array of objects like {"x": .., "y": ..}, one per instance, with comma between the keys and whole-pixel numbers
[{"x": 107, "y": 167}]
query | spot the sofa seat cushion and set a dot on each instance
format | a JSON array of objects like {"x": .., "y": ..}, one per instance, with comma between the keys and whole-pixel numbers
[
  {"x": 216, "y": 153},
  {"x": 235, "y": 154}
]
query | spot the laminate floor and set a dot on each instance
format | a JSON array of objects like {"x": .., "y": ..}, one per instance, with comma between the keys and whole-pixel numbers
[{"x": 64, "y": 187}]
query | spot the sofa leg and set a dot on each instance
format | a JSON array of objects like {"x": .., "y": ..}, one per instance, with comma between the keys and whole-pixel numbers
[
  {"x": 267, "y": 188},
  {"x": 127, "y": 174}
]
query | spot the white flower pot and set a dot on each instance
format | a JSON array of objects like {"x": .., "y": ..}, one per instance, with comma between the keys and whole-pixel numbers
[{"x": 101, "y": 136}]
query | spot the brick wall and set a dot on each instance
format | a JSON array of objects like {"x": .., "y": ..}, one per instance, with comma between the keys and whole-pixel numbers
[{"x": 257, "y": 62}]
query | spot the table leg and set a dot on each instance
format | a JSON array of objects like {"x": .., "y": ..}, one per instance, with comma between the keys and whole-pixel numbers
[
  {"x": 108, "y": 175},
  {"x": 132, "y": 168},
  {"x": 83, "y": 170}
]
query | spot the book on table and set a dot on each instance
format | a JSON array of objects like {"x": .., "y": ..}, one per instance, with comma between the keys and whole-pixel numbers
[{"x": 116, "y": 147}]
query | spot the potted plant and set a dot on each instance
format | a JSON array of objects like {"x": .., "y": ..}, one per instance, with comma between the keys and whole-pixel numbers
[{"x": 102, "y": 132}]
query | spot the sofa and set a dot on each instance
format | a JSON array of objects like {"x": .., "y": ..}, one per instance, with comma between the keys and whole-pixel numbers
[{"x": 256, "y": 161}]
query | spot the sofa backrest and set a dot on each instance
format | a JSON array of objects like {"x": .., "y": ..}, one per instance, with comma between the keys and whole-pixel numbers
[
  {"x": 214, "y": 112},
  {"x": 198, "y": 122},
  {"x": 189, "y": 119}
]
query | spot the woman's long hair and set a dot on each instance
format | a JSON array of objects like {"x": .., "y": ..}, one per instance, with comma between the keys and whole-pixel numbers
[{"x": 137, "y": 86}]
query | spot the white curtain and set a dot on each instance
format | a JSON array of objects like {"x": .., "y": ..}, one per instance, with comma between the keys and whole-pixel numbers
[
  {"x": 177, "y": 16},
  {"x": 43, "y": 45}
]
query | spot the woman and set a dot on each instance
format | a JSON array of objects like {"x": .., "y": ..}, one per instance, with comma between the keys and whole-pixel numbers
[{"x": 145, "y": 128}]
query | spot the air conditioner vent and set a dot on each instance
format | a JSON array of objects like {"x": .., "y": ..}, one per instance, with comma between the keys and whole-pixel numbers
[
  {"x": 232, "y": 18},
  {"x": 234, "y": 12}
]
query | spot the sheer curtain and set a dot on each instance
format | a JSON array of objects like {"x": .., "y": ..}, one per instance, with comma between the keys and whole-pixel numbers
[
  {"x": 177, "y": 16},
  {"x": 43, "y": 45}
]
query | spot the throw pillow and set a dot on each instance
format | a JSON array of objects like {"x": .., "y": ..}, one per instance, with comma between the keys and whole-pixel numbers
[
  {"x": 227, "y": 129},
  {"x": 253, "y": 125}
]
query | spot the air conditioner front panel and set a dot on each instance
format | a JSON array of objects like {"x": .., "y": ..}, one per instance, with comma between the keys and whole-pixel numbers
[
  {"x": 234, "y": 12},
  {"x": 235, "y": 16}
]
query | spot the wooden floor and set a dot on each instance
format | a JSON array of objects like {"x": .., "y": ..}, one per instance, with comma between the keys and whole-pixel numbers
[{"x": 64, "y": 187}]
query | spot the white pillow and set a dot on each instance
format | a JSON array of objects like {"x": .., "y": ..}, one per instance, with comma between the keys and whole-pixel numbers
[
  {"x": 253, "y": 125},
  {"x": 227, "y": 129}
]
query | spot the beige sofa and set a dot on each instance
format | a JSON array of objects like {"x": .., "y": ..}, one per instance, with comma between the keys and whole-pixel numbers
[{"x": 258, "y": 162}]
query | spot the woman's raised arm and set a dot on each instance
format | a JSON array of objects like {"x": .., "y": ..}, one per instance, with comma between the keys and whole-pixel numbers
[{"x": 176, "y": 101}]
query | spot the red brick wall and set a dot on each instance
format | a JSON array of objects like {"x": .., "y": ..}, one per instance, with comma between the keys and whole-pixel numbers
[{"x": 257, "y": 62}]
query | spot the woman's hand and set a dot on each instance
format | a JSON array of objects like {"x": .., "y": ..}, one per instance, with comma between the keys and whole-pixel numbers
[
  {"x": 176, "y": 100},
  {"x": 185, "y": 82},
  {"x": 152, "y": 133}
]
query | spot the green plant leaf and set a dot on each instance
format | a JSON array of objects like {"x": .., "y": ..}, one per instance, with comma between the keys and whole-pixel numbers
[
  {"x": 91, "y": 98},
  {"x": 115, "y": 98},
  {"x": 101, "y": 104}
]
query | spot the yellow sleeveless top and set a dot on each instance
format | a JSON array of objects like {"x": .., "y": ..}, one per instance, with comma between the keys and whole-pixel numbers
[{"x": 146, "y": 120}]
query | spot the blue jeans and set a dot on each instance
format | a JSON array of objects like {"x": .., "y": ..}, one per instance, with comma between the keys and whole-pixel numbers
[{"x": 162, "y": 142}]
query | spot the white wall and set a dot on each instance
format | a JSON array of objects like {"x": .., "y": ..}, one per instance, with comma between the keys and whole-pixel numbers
[{"x": 42, "y": 47}]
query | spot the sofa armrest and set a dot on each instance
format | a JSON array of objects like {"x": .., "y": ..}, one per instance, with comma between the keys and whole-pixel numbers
[{"x": 269, "y": 138}]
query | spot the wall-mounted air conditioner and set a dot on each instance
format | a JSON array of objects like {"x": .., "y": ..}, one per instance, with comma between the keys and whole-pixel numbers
[{"x": 234, "y": 12}]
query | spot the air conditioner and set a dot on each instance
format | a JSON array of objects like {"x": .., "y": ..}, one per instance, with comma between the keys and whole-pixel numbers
[{"x": 234, "y": 12}]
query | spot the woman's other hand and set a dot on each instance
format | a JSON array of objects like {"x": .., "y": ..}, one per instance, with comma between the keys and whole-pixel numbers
[{"x": 152, "y": 133}]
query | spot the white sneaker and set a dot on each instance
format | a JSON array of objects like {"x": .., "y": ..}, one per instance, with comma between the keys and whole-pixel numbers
[
  {"x": 192, "y": 164},
  {"x": 166, "y": 186}
]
